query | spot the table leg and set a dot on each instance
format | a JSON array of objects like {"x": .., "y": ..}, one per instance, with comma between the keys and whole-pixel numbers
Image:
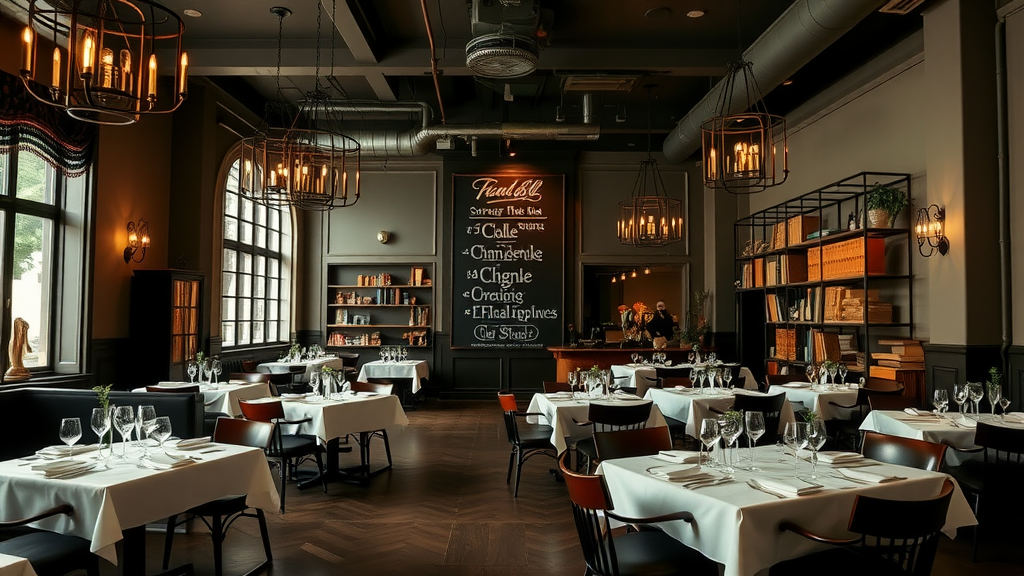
[{"x": 133, "y": 557}]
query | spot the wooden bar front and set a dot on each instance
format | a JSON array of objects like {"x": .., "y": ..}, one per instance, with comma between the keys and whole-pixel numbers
[{"x": 569, "y": 359}]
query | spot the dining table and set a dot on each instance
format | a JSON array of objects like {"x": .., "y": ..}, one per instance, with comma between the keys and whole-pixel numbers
[
  {"x": 309, "y": 366},
  {"x": 115, "y": 500},
  {"x": 625, "y": 375},
  {"x": 15, "y": 566},
  {"x": 951, "y": 428},
  {"x": 817, "y": 398},
  {"x": 413, "y": 371},
  {"x": 222, "y": 397},
  {"x": 562, "y": 411},
  {"x": 735, "y": 524},
  {"x": 693, "y": 405}
]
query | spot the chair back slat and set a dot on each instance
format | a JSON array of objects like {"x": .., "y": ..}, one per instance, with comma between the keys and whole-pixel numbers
[
  {"x": 676, "y": 382},
  {"x": 250, "y": 377},
  {"x": 176, "y": 390},
  {"x": 590, "y": 500},
  {"x": 382, "y": 389},
  {"x": 508, "y": 402},
  {"x": 643, "y": 384},
  {"x": 619, "y": 416},
  {"x": 243, "y": 432},
  {"x": 552, "y": 387},
  {"x": 770, "y": 406},
  {"x": 903, "y": 451},
  {"x": 629, "y": 443},
  {"x": 261, "y": 411}
]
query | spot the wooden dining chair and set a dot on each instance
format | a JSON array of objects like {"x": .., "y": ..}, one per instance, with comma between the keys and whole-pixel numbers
[
  {"x": 903, "y": 451},
  {"x": 632, "y": 553},
  {"x": 218, "y": 515},
  {"x": 629, "y": 443},
  {"x": 643, "y": 384},
  {"x": 526, "y": 440},
  {"x": 553, "y": 387},
  {"x": 607, "y": 417},
  {"x": 50, "y": 553},
  {"x": 383, "y": 390},
  {"x": 286, "y": 451},
  {"x": 250, "y": 377},
  {"x": 849, "y": 429},
  {"x": 249, "y": 365},
  {"x": 770, "y": 406},
  {"x": 887, "y": 402},
  {"x": 894, "y": 537}
]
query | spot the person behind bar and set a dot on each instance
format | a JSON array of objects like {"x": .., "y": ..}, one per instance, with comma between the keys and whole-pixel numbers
[{"x": 660, "y": 326}]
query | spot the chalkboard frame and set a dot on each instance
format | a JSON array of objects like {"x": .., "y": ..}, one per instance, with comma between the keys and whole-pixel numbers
[{"x": 561, "y": 238}]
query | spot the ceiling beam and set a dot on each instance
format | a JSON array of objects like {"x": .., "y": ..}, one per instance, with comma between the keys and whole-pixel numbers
[{"x": 360, "y": 48}]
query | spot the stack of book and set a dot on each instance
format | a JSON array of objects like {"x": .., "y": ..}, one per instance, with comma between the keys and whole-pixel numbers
[
  {"x": 856, "y": 302},
  {"x": 905, "y": 355},
  {"x": 826, "y": 347},
  {"x": 853, "y": 359},
  {"x": 785, "y": 343}
]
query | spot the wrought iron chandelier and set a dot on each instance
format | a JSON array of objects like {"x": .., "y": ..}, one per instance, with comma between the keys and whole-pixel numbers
[
  {"x": 104, "y": 64},
  {"x": 746, "y": 152},
  {"x": 649, "y": 218}
]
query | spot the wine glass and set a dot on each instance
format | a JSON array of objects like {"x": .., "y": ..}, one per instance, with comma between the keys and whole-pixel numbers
[
  {"x": 217, "y": 368},
  {"x": 975, "y": 392},
  {"x": 709, "y": 435},
  {"x": 633, "y": 357},
  {"x": 314, "y": 382},
  {"x": 124, "y": 422},
  {"x": 860, "y": 382},
  {"x": 832, "y": 370},
  {"x": 690, "y": 357},
  {"x": 192, "y": 368},
  {"x": 731, "y": 429},
  {"x": 809, "y": 370},
  {"x": 159, "y": 428},
  {"x": 754, "y": 421},
  {"x": 995, "y": 393},
  {"x": 816, "y": 437},
  {"x": 143, "y": 415},
  {"x": 842, "y": 375},
  {"x": 207, "y": 371},
  {"x": 795, "y": 436},
  {"x": 960, "y": 396},
  {"x": 1004, "y": 403},
  {"x": 727, "y": 376},
  {"x": 70, "y": 432},
  {"x": 100, "y": 423},
  {"x": 941, "y": 401}
]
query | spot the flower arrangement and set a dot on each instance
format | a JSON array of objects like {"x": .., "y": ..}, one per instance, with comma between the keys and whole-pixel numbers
[
  {"x": 199, "y": 357},
  {"x": 295, "y": 351},
  {"x": 634, "y": 322}
]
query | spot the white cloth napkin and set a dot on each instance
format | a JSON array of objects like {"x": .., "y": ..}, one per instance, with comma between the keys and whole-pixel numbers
[
  {"x": 61, "y": 451},
  {"x": 784, "y": 487},
  {"x": 678, "y": 456},
  {"x": 293, "y": 396},
  {"x": 164, "y": 462},
  {"x": 922, "y": 414},
  {"x": 367, "y": 393},
  {"x": 965, "y": 422},
  {"x": 193, "y": 443},
  {"x": 175, "y": 384},
  {"x": 836, "y": 458},
  {"x": 870, "y": 477},
  {"x": 64, "y": 468},
  {"x": 558, "y": 394},
  {"x": 677, "y": 472}
]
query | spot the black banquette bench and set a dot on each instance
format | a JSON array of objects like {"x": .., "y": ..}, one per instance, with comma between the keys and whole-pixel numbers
[{"x": 32, "y": 415}]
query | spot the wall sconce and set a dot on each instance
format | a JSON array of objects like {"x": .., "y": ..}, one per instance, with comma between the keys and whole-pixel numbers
[
  {"x": 614, "y": 278},
  {"x": 633, "y": 274},
  {"x": 931, "y": 230},
  {"x": 138, "y": 238},
  {"x": 383, "y": 236},
  {"x": 647, "y": 270},
  {"x": 623, "y": 277}
]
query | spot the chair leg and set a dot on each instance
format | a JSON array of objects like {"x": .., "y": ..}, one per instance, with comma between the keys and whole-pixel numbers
[
  {"x": 511, "y": 461},
  {"x": 92, "y": 565},
  {"x": 168, "y": 540},
  {"x": 285, "y": 474},
  {"x": 519, "y": 472},
  {"x": 323, "y": 473},
  {"x": 262, "y": 519},
  {"x": 217, "y": 532}
]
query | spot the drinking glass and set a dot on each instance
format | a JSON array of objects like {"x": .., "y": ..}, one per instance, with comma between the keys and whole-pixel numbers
[
  {"x": 816, "y": 437},
  {"x": 709, "y": 435},
  {"x": 975, "y": 392},
  {"x": 941, "y": 401},
  {"x": 143, "y": 415},
  {"x": 100, "y": 423},
  {"x": 842, "y": 374},
  {"x": 960, "y": 396},
  {"x": 382, "y": 352},
  {"x": 728, "y": 378},
  {"x": 754, "y": 421},
  {"x": 731, "y": 428},
  {"x": 70, "y": 432},
  {"x": 314, "y": 382},
  {"x": 217, "y": 368},
  {"x": 159, "y": 428},
  {"x": 809, "y": 370},
  {"x": 712, "y": 357},
  {"x": 691, "y": 357},
  {"x": 995, "y": 392},
  {"x": 124, "y": 422},
  {"x": 1004, "y": 403},
  {"x": 832, "y": 370},
  {"x": 207, "y": 371},
  {"x": 795, "y": 436},
  {"x": 192, "y": 369}
]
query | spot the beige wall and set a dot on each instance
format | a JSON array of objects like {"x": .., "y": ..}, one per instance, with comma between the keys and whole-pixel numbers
[{"x": 1015, "y": 89}]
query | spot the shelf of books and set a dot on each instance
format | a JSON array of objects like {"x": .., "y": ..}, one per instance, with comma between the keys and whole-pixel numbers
[
  {"x": 373, "y": 305},
  {"x": 815, "y": 282}
]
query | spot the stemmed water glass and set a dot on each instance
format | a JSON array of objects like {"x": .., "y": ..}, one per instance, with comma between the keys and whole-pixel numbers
[
  {"x": 143, "y": 415},
  {"x": 809, "y": 370},
  {"x": 100, "y": 423},
  {"x": 70, "y": 432},
  {"x": 941, "y": 401},
  {"x": 1004, "y": 403},
  {"x": 159, "y": 428},
  {"x": 995, "y": 393},
  {"x": 691, "y": 356},
  {"x": 832, "y": 370},
  {"x": 216, "y": 367},
  {"x": 842, "y": 374},
  {"x": 192, "y": 368},
  {"x": 727, "y": 376},
  {"x": 960, "y": 396},
  {"x": 124, "y": 422},
  {"x": 754, "y": 421},
  {"x": 731, "y": 429},
  {"x": 975, "y": 392},
  {"x": 816, "y": 437},
  {"x": 709, "y": 435},
  {"x": 314, "y": 382},
  {"x": 207, "y": 371},
  {"x": 795, "y": 436},
  {"x": 634, "y": 357}
]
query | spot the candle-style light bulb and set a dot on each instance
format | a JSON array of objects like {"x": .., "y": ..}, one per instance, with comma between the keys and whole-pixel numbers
[
  {"x": 152, "y": 77},
  {"x": 88, "y": 53},
  {"x": 126, "y": 71},
  {"x": 183, "y": 86},
  {"x": 107, "y": 68},
  {"x": 27, "y": 50},
  {"x": 55, "y": 83}
]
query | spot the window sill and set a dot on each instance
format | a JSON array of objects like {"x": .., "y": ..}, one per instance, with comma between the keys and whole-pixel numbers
[{"x": 51, "y": 380}]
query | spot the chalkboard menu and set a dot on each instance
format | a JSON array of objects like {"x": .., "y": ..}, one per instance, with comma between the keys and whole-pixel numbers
[{"x": 507, "y": 245}]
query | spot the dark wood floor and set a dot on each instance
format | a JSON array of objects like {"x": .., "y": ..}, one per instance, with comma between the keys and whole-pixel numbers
[{"x": 444, "y": 510}]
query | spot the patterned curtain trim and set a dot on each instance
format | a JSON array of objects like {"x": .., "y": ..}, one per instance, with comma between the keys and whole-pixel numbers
[{"x": 46, "y": 131}]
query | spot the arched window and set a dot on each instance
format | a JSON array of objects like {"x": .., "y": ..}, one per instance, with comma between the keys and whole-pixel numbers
[{"x": 256, "y": 269}]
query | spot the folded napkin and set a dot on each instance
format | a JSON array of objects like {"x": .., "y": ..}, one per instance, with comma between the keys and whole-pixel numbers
[
  {"x": 965, "y": 422},
  {"x": 869, "y": 477},
  {"x": 558, "y": 394},
  {"x": 160, "y": 461},
  {"x": 64, "y": 468},
  {"x": 795, "y": 385},
  {"x": 293, "y": 396},
  {"x": 924, "y": 414},
  {"x": 61, "y": 451},
  {"x": 678, "y": 456},
  {"x": 677, "y": 472},
  {"x": 175, "y": 384},
  {"x": 784, "y": 487},
  {"x": 367, "y": 393},
  {"x": 1015, "y": 417},
  {"x": 192, "y": 443},
  {"x": 837, "y": 458}
]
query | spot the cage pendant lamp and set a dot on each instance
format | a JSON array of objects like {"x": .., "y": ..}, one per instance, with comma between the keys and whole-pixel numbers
[
  {"x": 743, "y": 152},
  {"x": 103, "y": 64},
  {"x": 649, "y": 218}
]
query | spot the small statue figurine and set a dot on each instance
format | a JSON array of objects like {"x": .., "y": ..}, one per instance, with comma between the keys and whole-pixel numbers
[{"x": 19, "y": 345}]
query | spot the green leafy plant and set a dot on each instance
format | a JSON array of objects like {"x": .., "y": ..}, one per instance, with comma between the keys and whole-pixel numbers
[
  {"x": 995, "y": 377},
  {"x": 809, "y": 415},
  {"x": 103, "y": 395},
  {"x": 890, "y": 200},
  {"x": 294, "y": 350},
  {"x": 200, "y": 357},
  {"x": 326, "y": 370},
  {"x": 733, "y": 415}
]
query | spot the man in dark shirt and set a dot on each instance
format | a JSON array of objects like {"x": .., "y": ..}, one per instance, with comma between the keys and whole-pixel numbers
[{"x": 660, "y": 326}]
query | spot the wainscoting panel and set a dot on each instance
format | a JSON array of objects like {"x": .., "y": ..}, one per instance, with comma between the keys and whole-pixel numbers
[
  {"x": 106, "y": 362},
  {"x": 528, "y": 374},
  {"x": 946, "y": 365},
  {"x": 477, "y": 377}
]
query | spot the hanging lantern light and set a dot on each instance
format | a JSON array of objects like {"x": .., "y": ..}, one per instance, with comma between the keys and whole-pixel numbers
[
  {"x": 745, "y": 152},
  {"x": 104, "y": 63}
]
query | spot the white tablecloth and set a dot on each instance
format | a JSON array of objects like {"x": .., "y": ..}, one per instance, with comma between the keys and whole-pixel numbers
[
  {"x": 943, "y": 431},
  {"x": 817, "y": 400},
  {"x": 224, "y": 398},
  {"x": 350, "y": 414},
  {"x": 309, "y": 365},
  {"x": 626, "y": 374},
  {"x": 691, "y": 406},
  {"x": 15, "y": 566},
  {"x": 124, "y": 496},
  {"x": 414, "y": 370},
  {"x": 736, "y": 525},
  {"x": 559, "y": 411}
]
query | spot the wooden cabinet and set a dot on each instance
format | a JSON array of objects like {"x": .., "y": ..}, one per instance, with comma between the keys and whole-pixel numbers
[
  {"x": 369, "y": 306},
  {"x": 166, "y": 323}
]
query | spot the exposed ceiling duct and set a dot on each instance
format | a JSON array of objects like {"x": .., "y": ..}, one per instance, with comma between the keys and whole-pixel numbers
[
  {"x": 506, "y": 38},
  {"x": 805, "y": 29}
]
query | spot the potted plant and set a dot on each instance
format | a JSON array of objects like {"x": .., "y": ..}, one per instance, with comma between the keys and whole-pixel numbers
[{"x": 884, "y": 204}]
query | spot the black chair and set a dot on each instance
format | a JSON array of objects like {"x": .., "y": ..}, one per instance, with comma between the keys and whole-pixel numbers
[
  {"x": 897, "y": 537},
  {"x": 769, "y": 405},
  {"x": 850, "y": 429},
  {"x": 553, "y": 387},
  {"x": 903, "y": 451},
  {"x": 527, "y": 440},
  {"x": 643, "y": 384},
  {"x": 647, "y": 552},
  {"x": 607, "y": 417},
  {"x": 885, "y": 402},
  {"x": 364, "y": 441},
  {"x": 49, "y": 553},
  {"x": 629, "y": 443},
  {"x": 284, "y": 450},
  {"x": 220, "y": 514}
]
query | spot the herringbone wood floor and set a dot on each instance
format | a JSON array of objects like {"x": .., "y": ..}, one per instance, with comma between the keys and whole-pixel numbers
[{"x": 445, "y": 510}]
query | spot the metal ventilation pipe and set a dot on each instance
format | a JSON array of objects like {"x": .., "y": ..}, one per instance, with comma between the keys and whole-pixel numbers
[
  {"x": 805, "y": 29},
  {"x": 588, "y": 108}
]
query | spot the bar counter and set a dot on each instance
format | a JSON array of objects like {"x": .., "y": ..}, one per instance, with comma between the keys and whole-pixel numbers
[{"x": 568, "y": 359}]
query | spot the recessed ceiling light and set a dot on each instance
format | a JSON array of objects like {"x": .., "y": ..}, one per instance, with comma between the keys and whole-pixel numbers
[
  {"x": 191, "y": 12},
  {"x": 787, "y": 82},
  {"x": 658, "y": 13},
  {"x": 695, "y": 13}
]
